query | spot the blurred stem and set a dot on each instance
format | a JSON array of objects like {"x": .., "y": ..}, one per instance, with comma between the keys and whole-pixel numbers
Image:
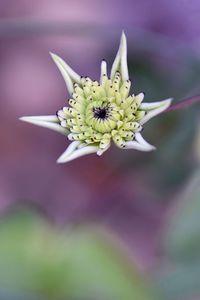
[{"x": 185, "y": 103}]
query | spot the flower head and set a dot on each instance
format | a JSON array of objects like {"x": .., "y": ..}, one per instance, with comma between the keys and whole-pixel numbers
[{"x": 98, "y": 113}]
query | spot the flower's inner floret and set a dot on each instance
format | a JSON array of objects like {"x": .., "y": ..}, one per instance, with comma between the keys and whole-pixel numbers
[{"x": 99, "y": 113}]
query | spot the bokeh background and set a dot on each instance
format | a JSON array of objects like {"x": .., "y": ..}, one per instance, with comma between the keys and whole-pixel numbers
[{"x": 122, "y": 226}]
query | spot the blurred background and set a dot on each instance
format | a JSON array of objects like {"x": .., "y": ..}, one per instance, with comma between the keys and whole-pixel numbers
[{"x": 122, "y": 226}]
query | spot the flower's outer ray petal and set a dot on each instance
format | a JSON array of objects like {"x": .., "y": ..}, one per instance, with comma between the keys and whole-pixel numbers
[
  {"x": 77, "y": 153},
  {"x": 74, "y": 76},
  {"x": 68, "y": 74},
  {"x": 120, "y": 62},
  {"x": 50, "y": 122},
  {"x": 49, "y": 118},
  {"x": 124, "y": 66},
  {"x": 154, "y": 109},
  {"x": 103, "y": 70},
  {"x": 141, "y": 140},
  {"x": 70, "y": 149},
  {"x": 139, "y": 144},
  {"x": 153, "y": 105}
]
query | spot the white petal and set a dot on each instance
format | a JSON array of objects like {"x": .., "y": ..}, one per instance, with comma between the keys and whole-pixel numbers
[
  {"x": 50, "y": 118},
  {"x": 124, "y": 66},
  {"x": 152, "y": 105},
  {"x": 141, "y": 146},
  {"x": 154, "y": 109},
  {"x": 120, "y": 62},
  {"x": 68, "y": 74},
  {"x": 141, "y": 140},
  {"x": 103, "y": 70},
  {"x": 77, "y": 153},
  {"x": 74, "y": 76},
  {"x": 71, "y": 148},
  {"x": 50, "y": 122}
]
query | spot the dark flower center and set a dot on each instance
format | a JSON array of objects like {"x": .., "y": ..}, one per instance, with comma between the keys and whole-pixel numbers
[{"x": 100, "y": 112}]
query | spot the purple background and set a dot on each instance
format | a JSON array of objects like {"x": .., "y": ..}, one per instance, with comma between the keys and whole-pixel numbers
[{"x": 121, "y": 189}]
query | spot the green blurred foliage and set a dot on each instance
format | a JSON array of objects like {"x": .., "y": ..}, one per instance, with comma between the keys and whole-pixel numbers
[{"x": 37, "y": 258}]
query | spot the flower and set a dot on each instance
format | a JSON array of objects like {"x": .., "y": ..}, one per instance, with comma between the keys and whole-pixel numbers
[{"x": 98, "y": 113}]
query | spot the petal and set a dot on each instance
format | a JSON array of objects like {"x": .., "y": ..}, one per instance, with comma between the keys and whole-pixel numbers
[
  {"x": 154, "y": 109},
  {"x": 70, "y": 149},
  {"x": 141, "y": 140},
  {"x": 139, "y": 144},
  {"x": 50, "y": 122},
  {"x": 120, "y": 62},
  {"x": 103, "y": 70},
  {"x": 50, "y": 118},
  {"x": 77, "y": 153},
  {"x": 68, "y": 74}
]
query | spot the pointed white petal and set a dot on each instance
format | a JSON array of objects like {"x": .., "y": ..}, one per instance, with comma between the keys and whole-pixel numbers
[
  {"x": 124, "y": 66},
  {"x": 154, "y": 109},
  {"x": 152, "y": 105},
  {"x": 70, "y": 149},
  {"x": 50, "y": 118},
  {"x": 68, "y": 74},
  {"x": 120, "y": 62},
  {"x": 141, "y": 146},
  {"x": 116, "y": 64},
  {"x": 77, "y": 153},
  {"x": 47, "y": 122},
  {"x": 141, "y": 140},
  {"x": 74, "y": 76},
  {"x": 103, "y": 70}
]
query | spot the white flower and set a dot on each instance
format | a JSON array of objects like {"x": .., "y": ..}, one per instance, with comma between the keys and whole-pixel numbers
[{"x": 98, "y": 113}]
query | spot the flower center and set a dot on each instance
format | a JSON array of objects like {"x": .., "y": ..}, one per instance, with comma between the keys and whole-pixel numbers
[{"x": 100, "y": 112}]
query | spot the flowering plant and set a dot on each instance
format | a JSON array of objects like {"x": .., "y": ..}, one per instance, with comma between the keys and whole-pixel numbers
[{"x": 100, "y": 112}]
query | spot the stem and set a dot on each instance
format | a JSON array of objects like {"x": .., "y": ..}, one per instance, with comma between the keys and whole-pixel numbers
[{"x": 183, "y": 104}]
